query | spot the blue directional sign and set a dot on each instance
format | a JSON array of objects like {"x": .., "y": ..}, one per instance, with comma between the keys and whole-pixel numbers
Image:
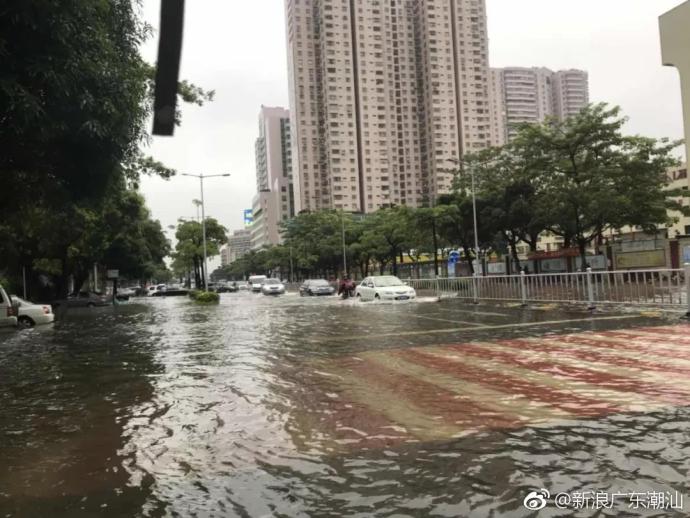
[
  {"x": 453, "y": 256},
  {"x": 248, "y": 217}
]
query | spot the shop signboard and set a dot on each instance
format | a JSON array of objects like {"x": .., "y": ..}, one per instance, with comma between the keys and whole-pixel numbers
[{"x": 646, "y": 259}]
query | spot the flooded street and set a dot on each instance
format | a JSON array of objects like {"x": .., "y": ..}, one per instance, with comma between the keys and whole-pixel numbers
[{"x": 296, "y": 406}]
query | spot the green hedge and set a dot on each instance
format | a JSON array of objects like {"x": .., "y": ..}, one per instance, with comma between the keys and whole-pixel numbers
[{"x": 204, "y": 297}]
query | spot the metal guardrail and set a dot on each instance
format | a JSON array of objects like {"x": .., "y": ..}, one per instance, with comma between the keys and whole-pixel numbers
[{"x": 667, "y": 287}]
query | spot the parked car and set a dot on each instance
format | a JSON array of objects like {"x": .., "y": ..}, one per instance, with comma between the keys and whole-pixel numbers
[
  {"x": 227, "y": 287},
  {"x": 155, "y": 289},
  {"x": 126, "y": 292},
  {"x": 272, "y": 287},
  {"x": 8, "y": 311},
  {"x": 255, "y": 282},
  {"x": 384, "y": 287},
  {"x": 245, "y": 286},
  {"x": 30, "y": 314},
  {"x": 84, "y": 299},
  {"x": 314, "y": 287}
]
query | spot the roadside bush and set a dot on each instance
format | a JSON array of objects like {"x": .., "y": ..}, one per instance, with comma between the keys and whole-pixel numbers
[{"x": 204, "y": 297}]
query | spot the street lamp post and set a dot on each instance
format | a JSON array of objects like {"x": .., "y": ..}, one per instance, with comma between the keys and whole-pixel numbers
[
  {"x": 474, "y": 210},
  {"x": 342, "y": 227},
  {"x": 203, "y": 218}
]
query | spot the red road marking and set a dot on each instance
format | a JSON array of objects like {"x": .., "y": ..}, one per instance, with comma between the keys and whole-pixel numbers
[
  {"x": 453, "y": 407},
  {"x": 565, "y": 400},
  {"x": 602, "y": 379},
  {"x": 594, "y": 356}
]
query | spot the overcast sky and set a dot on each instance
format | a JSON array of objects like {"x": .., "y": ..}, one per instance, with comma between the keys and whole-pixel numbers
[{"x": 237, "y": 48}]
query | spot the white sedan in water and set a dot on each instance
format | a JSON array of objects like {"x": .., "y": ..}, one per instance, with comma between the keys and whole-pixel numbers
[
  {"x": 385, "y": 287},
  {"x": 32, "y": 314}
]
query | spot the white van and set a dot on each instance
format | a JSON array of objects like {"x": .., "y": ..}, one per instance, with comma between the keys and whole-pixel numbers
[
  {"x": 8, "y": 313},
  {"x": 256, "y": 281}
]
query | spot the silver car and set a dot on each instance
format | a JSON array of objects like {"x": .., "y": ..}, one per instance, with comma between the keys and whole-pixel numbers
[{"x": 272, "y": 287}]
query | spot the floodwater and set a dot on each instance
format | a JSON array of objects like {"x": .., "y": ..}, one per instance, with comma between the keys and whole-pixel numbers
[{"x": 296, "y": 406}]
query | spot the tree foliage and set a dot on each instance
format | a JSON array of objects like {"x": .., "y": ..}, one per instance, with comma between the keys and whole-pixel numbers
[
  {"x": 189, "y": 250},
  {"x": 75, "y": 101},
  {"x": 575, "y": 178}
]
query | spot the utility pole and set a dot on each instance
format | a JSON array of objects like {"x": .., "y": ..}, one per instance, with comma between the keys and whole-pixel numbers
[
  {"x": 203, "y": 220},
  {"x": 292, "y": 273}
]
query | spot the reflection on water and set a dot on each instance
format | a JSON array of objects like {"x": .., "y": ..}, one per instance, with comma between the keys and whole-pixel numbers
[{"x": 305, "y": 407}]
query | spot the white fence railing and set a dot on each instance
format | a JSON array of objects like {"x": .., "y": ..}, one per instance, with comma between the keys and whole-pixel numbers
[{"x": 669, "y": 287}]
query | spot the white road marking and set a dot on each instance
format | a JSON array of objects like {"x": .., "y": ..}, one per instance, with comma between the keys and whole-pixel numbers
[{"x": 488, "y": 327}]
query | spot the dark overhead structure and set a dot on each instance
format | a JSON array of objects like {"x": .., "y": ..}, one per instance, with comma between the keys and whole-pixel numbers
[{"x": 168, "y": 67}]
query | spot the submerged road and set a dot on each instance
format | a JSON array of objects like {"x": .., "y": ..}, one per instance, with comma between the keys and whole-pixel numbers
[{"x": 296, "y": 406}]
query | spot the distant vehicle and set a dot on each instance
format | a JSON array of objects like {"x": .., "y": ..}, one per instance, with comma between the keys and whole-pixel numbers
[
  {"x": 84, "y": 299},
  {"x": 156, "y": 289},
  {"x": 244, "y": 286},
  {"x": 272, "y": 287},
  {"x": 226, "y": 287},
  {"x": 255, "y": 282},
  {"x": 126, "y": 292},
  {"x": 8, "y": 311},
  {"x": 385, "y": 287},
  {"x": 30, "y": 314},
  {"x": 346, "y": 288},
  {"x": 315, "y": 287}
]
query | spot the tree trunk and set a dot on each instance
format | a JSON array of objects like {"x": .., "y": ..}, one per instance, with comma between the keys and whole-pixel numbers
[
  {"x": 197, "y": 275},
  {"x": 582, "y": 245},
  {"x": 534, "y": 239},
  {"x": 395, "y": 263},
  {"x": 80, "y": 277}
]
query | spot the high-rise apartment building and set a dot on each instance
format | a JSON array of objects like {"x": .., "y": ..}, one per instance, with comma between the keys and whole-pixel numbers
[
  {"x": 570, "y": 92},
  {"x": 523, "y": 94},
  {"x": 497, "y": 107},
  {"x": 275, "y": 200},
  {"x": 382, "y": 95}
]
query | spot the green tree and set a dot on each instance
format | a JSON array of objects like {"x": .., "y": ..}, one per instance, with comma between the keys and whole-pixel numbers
[
  {"x": 75, "y": 98},
  {"x": 511, "y": 195},
  {"x": 593, "y": 177},
  {"x": 189, "y": 250},
  {"x": 389, "y": 234}
]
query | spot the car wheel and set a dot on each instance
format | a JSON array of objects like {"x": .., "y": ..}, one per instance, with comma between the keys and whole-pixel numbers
[
  {"x": 25, "y": 322},
  {"x": 377, "y": 297}
]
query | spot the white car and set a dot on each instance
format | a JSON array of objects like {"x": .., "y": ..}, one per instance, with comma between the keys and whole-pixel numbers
[
  {"x": 256, "y": 281},
  {"x": 8, "y": 311},
  {"x": 385, "y": 287},
  {"x": 33, "y": 314},
  {"x": 272, "y": 287},
  {"x": 153, "y": 290}
]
